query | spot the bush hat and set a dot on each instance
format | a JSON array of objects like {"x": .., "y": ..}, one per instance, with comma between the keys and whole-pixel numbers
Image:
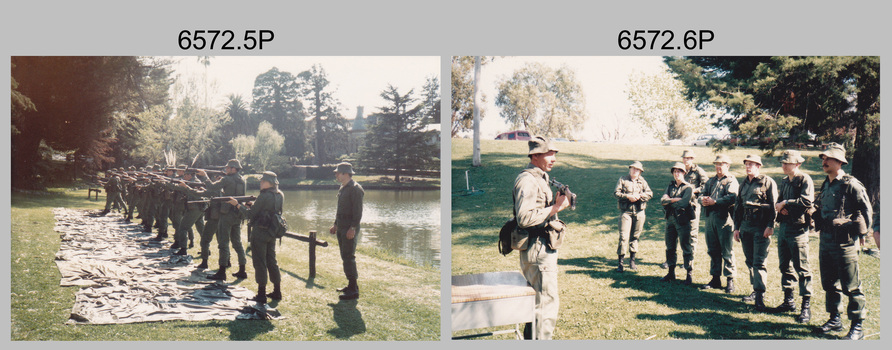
[
  {"x": 835, "y": 151},
  {"x": 540, "y": 144},
  {"x": 637, "y": 165},
  {"x": 753, "y": 158},
  {"x": 344, "y": 168},
  {"x": 792, "y": 157},
  {"x": 722, "y": 158},
  {"x": 687, "y": 153},
  {"x": 677, "y": 165}
]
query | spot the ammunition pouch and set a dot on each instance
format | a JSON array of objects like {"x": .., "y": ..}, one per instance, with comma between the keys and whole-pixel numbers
[{"x": 844, "y": 231}]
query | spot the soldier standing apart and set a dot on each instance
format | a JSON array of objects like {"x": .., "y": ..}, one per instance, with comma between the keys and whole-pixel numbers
[
  {"x": 112, "y": 194},
  {"x": 260, "y": 217},
  {"x": 843, "y": 212},
  {"x": 532, "y": 197},
  {"x": 230, "y": 227},
  {"x": 346, "y": 226},
  {"x": 718, "y": 199},
  {"x": 678, "y": 203},
  {"x": 754, "y": 224},
  {"x": 632, "y": 194},
  {"x": 796, "y": 194}
]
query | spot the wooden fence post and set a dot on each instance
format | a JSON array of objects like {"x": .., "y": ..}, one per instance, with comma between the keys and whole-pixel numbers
[{"x": 312, "y": 253}]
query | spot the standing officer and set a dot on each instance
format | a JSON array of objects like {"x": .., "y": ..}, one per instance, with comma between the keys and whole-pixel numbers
[
  {"x": 754, "y": 224},
  {"x": 695, "y": 176},
  {"x": 346, "y": 226},
  {"x": 677, "y": 202},
  {"x": 718, "y": 199},
  {"x": 263, "y": 239},
  {"x": 535, "y": 210},
  {"x": 112, "y": 193},
  {"x": 796, "y": 194},
  {"x": 632, "y": 194},
  {"x": 843, "y": 212},
  {"x": 231, "y": 185}
]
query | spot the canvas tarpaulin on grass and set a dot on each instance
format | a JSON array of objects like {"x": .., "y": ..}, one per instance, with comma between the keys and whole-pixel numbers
[{"x": 126, "y": 277}]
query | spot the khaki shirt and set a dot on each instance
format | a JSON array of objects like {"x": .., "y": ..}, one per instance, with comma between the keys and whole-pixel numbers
[
  {"x": 627, "y": 186},
  {"x": 755, "y": 202},
  {"x": 531, "y": 197},
  {"x": 845, "y": 197},
  {"x": 799, "y": 192},
  {"x": 724, "y": 191}
]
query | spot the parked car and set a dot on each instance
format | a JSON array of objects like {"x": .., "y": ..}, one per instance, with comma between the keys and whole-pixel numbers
[
  {"x": 521, "y": 135},
  {"x": 704, "y": 139}
]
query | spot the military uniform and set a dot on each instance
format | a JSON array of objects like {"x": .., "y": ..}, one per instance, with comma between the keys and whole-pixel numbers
[
  {"x": 753, "y": 214},
  {"x": 720, "y": 226},
  {"x": 207, "y": 217},
  {"x": 797, "y": 192},
  {"x": 349, "y": 215},
  {"x": 678, "y": 225},
  {"x": 230, "y": 218},
  {"x": 843, "y": 212},
  {"x": 263, "y": 239},
  {"x": 113, "y": 194},
  {"x": 631, "y": 222}
]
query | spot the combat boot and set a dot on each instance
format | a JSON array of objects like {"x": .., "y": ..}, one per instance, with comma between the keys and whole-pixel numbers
[
  {"x": 102, "y": 213},
  {"x": 182, "y": 251},
  {"x": 714, "y": 283},
  {"x": 619, "y": 267},
  {"x": 689, "y": 279},
  {"x": 260, "y": 298},
  {"x": 749, "y": 298},
  {"x": 351, "y": 292},
  {"x": 760, "y": 302},
  {"x": 805, "y": 312},
  {"x": 834, "y": 324},
  {"x": 632, "y": 266},
  {"x": 670, "y": 276},
  {"x": 729, "y": 288},
  {"x": 241, "y": 272},
  {"x": 175, "y": 245},
  {"x": 788, "y": 305},
  {"x": 203, "y": 265},
  {"x": 220, "y": 275},
  {"x": 276, "y": 294},
  {"x": 855, "y": 332}
]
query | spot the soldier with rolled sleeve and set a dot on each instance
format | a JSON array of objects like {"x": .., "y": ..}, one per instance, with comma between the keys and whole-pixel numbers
[
  {"x": 754, "y": 217},
  {"x": 796, "y": 193},
  {"x": 346, "y": 226},
  {"x": 677, "y": 201},
  {"x": 632, "y": 194},
  {"x": 718, "y": 197},
  {"x": 843, "y": 213}
]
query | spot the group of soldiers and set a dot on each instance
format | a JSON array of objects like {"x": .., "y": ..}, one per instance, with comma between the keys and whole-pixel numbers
[
  {"x": 752, "y": 210},
  {"x": 216, "y": 207}
]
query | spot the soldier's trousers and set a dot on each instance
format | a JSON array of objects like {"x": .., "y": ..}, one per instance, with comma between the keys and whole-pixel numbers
[
  {"x": 695, "y": 222},
  {"x": 540, "y": 268},
  {"x": 207, "y": 235},
  {"x": 230, "y": 230},
  {"x": 720, "y": 244},
  {"x": 630, "y": 226},
  {"x": 114, "y": 199},
  {"x": 348, "y": 253},
  {"x": 131, "y": 206},
  {"x": 679, "y": 234},
  {"x": 190, "y": 218},
  {"x": 263, "y": 255},
  {"x": 755, "y": 249},
  {"x": 163, "y": 215},
  {"x": 148, "y": 217},
  {"x": 839, "y": 275},
  {"x": 792, "y": 254}
]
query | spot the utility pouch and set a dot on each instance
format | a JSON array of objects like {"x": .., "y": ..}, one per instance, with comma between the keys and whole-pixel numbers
[{"x": 556, "y": 230}]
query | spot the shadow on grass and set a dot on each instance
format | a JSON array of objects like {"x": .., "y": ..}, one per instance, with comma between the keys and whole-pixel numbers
[
  {"x": 711, "y": 311},
  {"x": 348, "y": 319},
  {"x": 248, "y": 329}
]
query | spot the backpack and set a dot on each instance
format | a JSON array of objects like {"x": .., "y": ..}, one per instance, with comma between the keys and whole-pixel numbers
[
  {"x": 505, "y": 236},
  {"x": 278, "y": 225}
]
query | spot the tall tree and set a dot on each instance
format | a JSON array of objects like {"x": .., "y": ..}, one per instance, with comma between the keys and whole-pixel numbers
[
  {"x": 267, "y": 144},
  {"x": 431, "y": 100},
  {"x": 324, "y": 108},
  {"x": 659, "y": 104},
  {"x": 75, "y": 101},
  {"x": 399, "y": 140},
  {"x": 276, "y": 101},
  {"x": 836, "y": 98},
  {"x": 463, "y": 93},
  {"x": 542, "y": 100}
]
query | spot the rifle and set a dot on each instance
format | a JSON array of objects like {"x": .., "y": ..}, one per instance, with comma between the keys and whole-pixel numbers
[
  {"x": 206, "y": 171},
  {"x": 565, "y": 190},
  {"x": 240, "y": 199}
]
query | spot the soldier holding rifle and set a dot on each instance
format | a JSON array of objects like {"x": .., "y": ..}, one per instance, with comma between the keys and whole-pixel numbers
[{"x": 232, "y": 184}]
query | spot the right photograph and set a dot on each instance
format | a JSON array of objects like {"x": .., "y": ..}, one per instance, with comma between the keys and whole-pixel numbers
[{"x": 674, "y": 197}]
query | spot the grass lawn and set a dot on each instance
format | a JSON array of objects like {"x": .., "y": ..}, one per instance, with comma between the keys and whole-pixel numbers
[
  {"x": 595, "y": 301},
  {"x": 399, "y": 300}
]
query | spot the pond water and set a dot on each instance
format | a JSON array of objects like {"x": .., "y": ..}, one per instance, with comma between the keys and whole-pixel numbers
[{"x": 403, "y": 223}]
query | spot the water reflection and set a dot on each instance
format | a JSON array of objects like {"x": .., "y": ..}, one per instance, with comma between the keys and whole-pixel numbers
[{"x": 404, "y": 223}]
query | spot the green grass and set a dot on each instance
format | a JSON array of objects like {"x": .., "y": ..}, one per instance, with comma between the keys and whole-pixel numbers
[
  {"x": 596, "y": 301},
  {"x": 398, "y": 301}
]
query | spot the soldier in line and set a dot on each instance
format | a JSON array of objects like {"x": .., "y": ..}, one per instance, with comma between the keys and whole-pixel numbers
[
  {"x": 260, "y": 217},
  {"x": 112, "y": 194},
  {"x": 536, "y": 207},
  {"x": 677, "y": 201},
  {"x": 132, "y": 197},
  {"x": 632, "y": 194},
  {"x": 719, "y": 195},
  {"x": 231, "y": 185},
  {"x": 177, "y": 205},
  {"x": 346, "y": 226},
  {"x": 843, "y": 213},
  {"x": 754, "y": 224},
  {"x": 165, "y": 202},
  {"x": 796, "y": 194},
  {"x": 201, "y": 212},
  {"x": 696, "y": 177}
]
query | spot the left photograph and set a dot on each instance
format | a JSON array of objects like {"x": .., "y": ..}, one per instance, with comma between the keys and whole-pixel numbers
[{"x": 212, "y": 198}]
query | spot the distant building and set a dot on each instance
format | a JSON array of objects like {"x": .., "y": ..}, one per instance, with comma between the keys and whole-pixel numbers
[{"x": 357, "y": 132}]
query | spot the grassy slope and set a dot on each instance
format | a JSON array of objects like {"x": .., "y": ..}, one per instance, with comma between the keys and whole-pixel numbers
[
  {"x": 598, "y": 303},
  {"x": 398, "y": 302}
]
